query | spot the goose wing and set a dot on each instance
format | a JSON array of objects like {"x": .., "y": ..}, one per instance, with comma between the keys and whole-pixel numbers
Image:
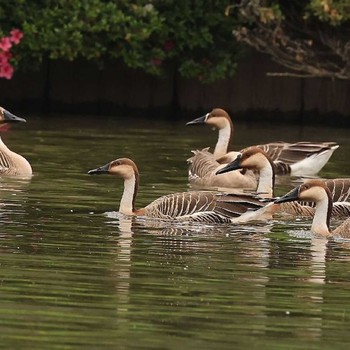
[
  {"x": 203, "y": 206},
  {"x": 344, "y": 229},
  {"x": 202, "y": 172},
  {"x": 228, "y": 207},
  {"x": 181, "y": 204},
  {"x": 5, "y": 163},
  {"x": 234, "y": 205},
  {"x": 291, "y": 153},
  {"x": 340, "y": 189},
  {"x": 201, "y": 163},
  {"x": 341, "y": 209}
]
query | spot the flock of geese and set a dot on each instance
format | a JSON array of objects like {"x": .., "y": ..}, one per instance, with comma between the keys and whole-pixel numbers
[{"x": 253, "y": 168}]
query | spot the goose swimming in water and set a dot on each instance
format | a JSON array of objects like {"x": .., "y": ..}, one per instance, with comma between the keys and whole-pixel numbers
[
  {"x": 197, "y": 206},
  {"x": 316, "y": 191},
  {"x": 203, "y": 172},
  {"x": 12, "y": 163},
  {"x": 256, "y": 159},
  {"x": 300, "y": 158}
]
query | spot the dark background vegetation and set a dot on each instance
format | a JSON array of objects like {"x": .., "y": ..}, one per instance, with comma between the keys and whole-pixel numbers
[{"x": 173, "y": 58}]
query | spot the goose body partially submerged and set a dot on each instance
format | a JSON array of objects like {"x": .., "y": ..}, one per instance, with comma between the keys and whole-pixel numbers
[
  {"x": 203, "y": 172},
  {"x": 197, "y": 206},
  {"x": 256, "y": 159},
  {"x": 12, "y": 163},
  {"x": 316, "y": 191},
  {"x": 300, "y": 158}
]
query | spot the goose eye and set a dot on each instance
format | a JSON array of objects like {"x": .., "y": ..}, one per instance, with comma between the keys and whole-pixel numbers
[{"x": 116, "y": 163}]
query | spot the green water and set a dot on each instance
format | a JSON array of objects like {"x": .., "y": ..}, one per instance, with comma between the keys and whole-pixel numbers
[{"x": 75, "y": 275}]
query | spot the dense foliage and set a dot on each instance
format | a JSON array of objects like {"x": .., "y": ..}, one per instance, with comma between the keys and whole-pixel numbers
[
  {"x": 311, "y": 38},
  {"x": 195, "y": 37}
]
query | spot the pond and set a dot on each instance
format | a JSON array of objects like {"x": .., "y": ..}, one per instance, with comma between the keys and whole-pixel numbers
[{"x": 75, "y": 275}]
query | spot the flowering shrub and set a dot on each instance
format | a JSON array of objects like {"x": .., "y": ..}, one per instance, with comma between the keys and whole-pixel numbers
[
  {"x": 6, "y": 43},
  {"x": 194, "y": 38}
]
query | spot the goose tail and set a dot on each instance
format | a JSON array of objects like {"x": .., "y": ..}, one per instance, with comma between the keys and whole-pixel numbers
[{"x": 313, "y": 164}]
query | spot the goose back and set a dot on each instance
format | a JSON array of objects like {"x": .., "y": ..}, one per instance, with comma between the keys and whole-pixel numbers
[
  {"x": 202, "y": 206},
  {"x": 12, "y": 163},
  {"x": 290, "y": 153},
  {"x": 300, "y": 158},
  {"x": 202, "y": 173},
  {"x": 343, "y": 230},
  {"x": 340, "y": 189}
]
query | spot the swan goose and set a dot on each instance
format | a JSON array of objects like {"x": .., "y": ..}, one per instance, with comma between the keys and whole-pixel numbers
[
  {"x": 254, "y": 158},
  {"x": 12, "y": 163},
  {"x": 203, "y": 172},
  {"x": 196, "y": 206},
  {"x": 300, "y": 158},
  {"x": 316, "y": 191}
]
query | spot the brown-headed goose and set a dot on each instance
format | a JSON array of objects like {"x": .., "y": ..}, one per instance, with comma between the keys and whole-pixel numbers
[
  {"x": 254, "y": 158},
  {"x": 300, "y": 158},
  {"x": 203, "y": 173},
  {"x": 12, "y": 163},
  {"x": 197, "y": 206},
  {"x": 316, "y": 191}
]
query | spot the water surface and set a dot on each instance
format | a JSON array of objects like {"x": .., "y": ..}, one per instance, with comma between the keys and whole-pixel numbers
[{"x": 76, "y": 275}]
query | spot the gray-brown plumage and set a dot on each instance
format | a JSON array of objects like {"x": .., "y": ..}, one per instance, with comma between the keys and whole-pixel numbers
[
  {"x": 317, "y": 191},
  {"x": 300, "y": 158},
  {"x": 198, "y": 206},
  {"x": 203, "y": 168},
  {"x": 288, "y": 156},
  {"x": 11, "y": 163},
  {"x": 254, "y": 158}
]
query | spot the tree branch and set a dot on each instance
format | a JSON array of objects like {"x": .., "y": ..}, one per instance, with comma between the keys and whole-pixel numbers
[{"x": 313, "y": 48}]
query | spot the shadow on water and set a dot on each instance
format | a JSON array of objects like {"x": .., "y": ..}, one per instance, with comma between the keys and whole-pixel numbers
[{"x": 75, "y": 274}]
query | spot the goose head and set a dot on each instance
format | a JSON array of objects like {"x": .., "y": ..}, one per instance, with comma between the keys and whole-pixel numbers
[
  {"x": 127, "y": 170},
  {"x": 310, "y": 191},
  {"x": 218, "y": 118},
  {"x": 253, "y": 158},
  {"x": 7, "y": 117},
  {"x": 122, "y": 167},
  {"x": 314, "y": 191}
]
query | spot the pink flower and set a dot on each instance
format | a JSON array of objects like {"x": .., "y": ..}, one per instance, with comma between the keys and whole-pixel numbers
[
  {"x": 6, "y": 71},
  {"x": 156, "y": 61},
  {"x": 5, "y": 43},
  {"x": 7, "y": 54},
  {"x": 4, "y": 57},
  {"x": 16, "y": 36},
  {"x": 169, "y": 45}
]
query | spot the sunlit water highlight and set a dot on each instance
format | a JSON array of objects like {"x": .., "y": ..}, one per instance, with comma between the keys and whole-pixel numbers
[{"x": 74, "y": 274}]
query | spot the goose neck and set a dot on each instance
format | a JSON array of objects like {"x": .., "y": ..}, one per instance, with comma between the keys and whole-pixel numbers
[
  {"x": 127, "y": 203},
  {"x": 223, "y": 141},
  {"x": 321, "y": 221},
  {"x": 266, "y": 181}
]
